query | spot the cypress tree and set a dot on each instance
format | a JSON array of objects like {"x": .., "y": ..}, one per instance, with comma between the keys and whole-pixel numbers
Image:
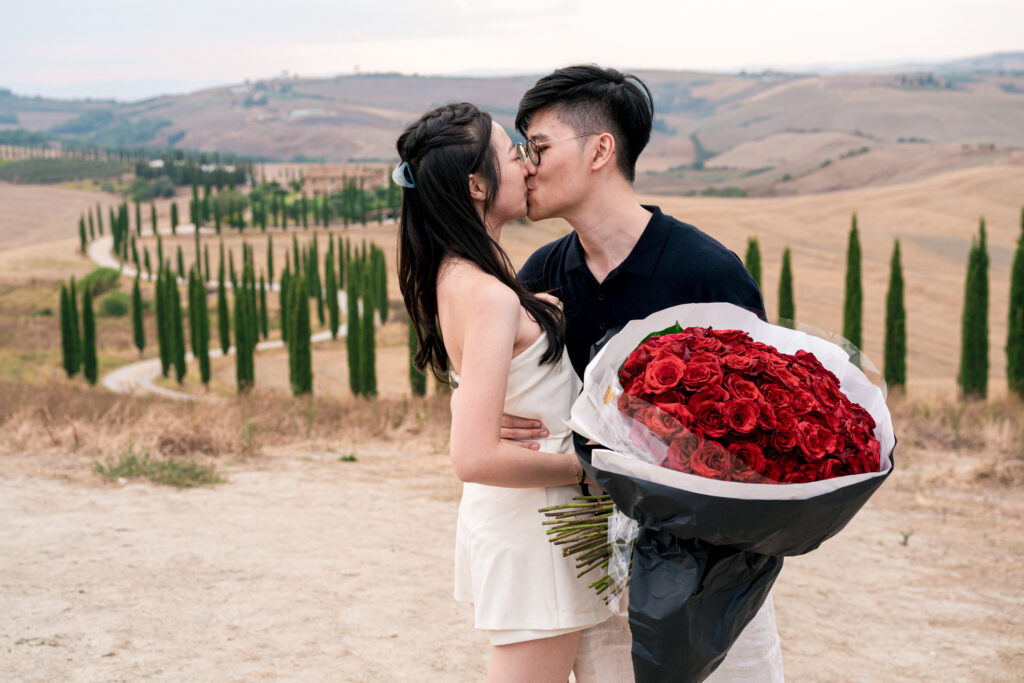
[
  {"x": 241, "y": 342},
  {"x": 973, "y": 374},
  {"x": 159, "y": 252},
  {"x": 331, "y": 291},
  {"x": 216, "y": 216},
  {"x": 231, "y": 271},
  {"x": 382, "y": 285},
  {"x": 753, "y": 260},
  {"x": 270, "y": 259},
  {"x": 138, "y": 218},
  {"x": 135, "y": 255},
  {"x": 368, "y": 352},
  {"x": 137, "y": 320},
  {"x": 854, "y": 298},
  {"x": 76, "y": 338},
  {"x": 152, "y": 215},
  {"x": 1015, "y": 325},
  {"x": 223, "y": 317},
  {"x": 99, "y": 219},
  {"x": 787, "y": 308},
  {"x": 81, "y": 233},
  {"x": 283, "y": 297},
  {"x": 89, "y": 365},
  {"x": 181, "y": 263},
  {"x": 162, "y": 321},
  {"x": 353, "y": 338},
  {"x": 895, "y": 369},
  {"x": 178, "y": 329},
  {"x": 206, "y": 263},
  {"x": 92, "y": 227},
  {"x": 304, "y": 208},
  {"x": 193, "y": 309},
  {"x": 66, "y": 344},
  {"x": 264, "y": 318},
  {"x": 204, "y": 336},
  {"x": 303, "y": 354},
  {"x": 343, "y": 256},
  {"x": 417, "y": 380},
  {"x": 149, "y": 267},
  {"x": 288, "y": 321},
  {"x": 325, "y": 212},
  {"x": 174, "y": 218}
]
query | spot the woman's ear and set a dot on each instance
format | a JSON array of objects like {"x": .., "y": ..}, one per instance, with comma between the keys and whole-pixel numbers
[
  {"x": 603, "y": 151},
  {"x": 477, "y": 188}
]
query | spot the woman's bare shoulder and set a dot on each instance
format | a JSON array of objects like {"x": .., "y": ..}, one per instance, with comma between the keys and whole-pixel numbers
[{"x": 465, "y": 284}]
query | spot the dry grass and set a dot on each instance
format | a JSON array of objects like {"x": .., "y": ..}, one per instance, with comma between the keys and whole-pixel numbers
[{"x": 61, "y": 427}]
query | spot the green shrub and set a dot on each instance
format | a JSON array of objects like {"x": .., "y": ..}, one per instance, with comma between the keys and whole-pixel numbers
[
  {"x": 100, "y": 280},
  {"x": 115, "y": 305}
]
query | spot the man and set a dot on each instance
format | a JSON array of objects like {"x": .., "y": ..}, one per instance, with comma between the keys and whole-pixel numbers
[{"x": 585, "y": 127}]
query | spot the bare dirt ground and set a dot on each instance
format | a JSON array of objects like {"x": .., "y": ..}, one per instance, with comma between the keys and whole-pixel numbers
[{"x": 302, "y": 567}]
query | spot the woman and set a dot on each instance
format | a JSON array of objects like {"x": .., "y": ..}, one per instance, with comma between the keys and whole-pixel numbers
[{"x": 505, "y": 348}]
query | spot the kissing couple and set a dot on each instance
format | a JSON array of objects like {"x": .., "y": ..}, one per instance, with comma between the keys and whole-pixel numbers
[{"x": 516, "y": 344}]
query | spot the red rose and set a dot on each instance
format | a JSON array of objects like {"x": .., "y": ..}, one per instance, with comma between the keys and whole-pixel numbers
[
  {"x": 751, "y": 455},
  {"x": 709, "y": 460},
  {"x": 709, "y": 420},
  {"x": 802, "y": 402},
  {"x": 786, "y": 433},
  {"x": 810, "y": 441},
  {"x": 741, "y": 388},
  {"x": 679, "y": 411},
  {"x": 731, "y": 336},
  {"x": 775, "y": 394},
  {"x": 662, "y": 424},
  {"x": 737, "y": 362},
  {"x": 700, "y": 373},
  {"x": 741, "y": 415},
  {"x": 680, "y": 449},
  {"x": 663, "y": 373},
  {"x": 831, "y": 468},
  {"x": 765, "y": 415},
  {"x": 713, "y": 392},
  {"x": 709, "y": 344}
]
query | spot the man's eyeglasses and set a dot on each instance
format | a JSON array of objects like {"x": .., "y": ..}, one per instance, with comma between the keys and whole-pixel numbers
[{"x": 530, "y": 150}]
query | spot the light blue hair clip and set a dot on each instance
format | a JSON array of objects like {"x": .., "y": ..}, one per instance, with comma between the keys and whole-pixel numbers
[{"x": 402, "y": 175}]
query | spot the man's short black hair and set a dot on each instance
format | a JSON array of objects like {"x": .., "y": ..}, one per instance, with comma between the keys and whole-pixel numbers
[{"x": 591, "y": 98}]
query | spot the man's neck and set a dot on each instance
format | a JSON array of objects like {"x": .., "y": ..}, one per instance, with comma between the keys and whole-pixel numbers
[{"x": 609, "y": 226}]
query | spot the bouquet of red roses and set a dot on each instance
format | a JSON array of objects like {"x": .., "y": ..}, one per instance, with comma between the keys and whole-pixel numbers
[
  {"x": 726, "y": 407},
  {"x": 727, "y": 443}
]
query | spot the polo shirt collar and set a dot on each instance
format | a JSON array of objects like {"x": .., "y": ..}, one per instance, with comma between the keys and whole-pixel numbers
[{"x": 643, "y": 259}]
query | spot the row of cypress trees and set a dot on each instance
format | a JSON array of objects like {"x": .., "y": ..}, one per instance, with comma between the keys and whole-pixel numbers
[
  {"x": 895, "y": 343},
  {"x": 78, "y": 343},
  {"x": 972, "y": 375}
]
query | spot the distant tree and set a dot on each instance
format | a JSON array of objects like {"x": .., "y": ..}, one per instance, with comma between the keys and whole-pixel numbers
[
  {"x": 99, "y": 219},
  {"x": 149, "y": 267},
  {"x": 264, "y": 317},
  {"x": 787, "y": 307},
  {"x": 283, "y": 299},
  {"x": 854, "y": 298},
  {"x": 163, "y": 321},
  {"x": 89, "y": 364},
  {"x": 66, "y": 344},
  {"x": 174, "y": 218},
  {"x": 895, "y": 370},
  {"x": 92, "y": 227},
  {"x": 152, "y": 216},
  {"x": 138, "y": 218},
  {"x": 270, "y": 259},
  {"x": 223, "y": 317},
  {"x": 368, "y": 352},
  {"x": 299, "y": 342},
  {"x": 353, "y": 337},
  {"x": 81, "y": 234},
  {"x": 417, "y": 380},
  {"x": 331, "y": 291},
  {"x": 76, "y": 337},
  {"x": 973, "y": 374},
  {"x": 181, "y": 263},
  {"x": 1015, "y": 326},
  {"x": 178, "y": 329},
  {"x": 137, "y": 321},
  {"x": 753, "y": 259}
]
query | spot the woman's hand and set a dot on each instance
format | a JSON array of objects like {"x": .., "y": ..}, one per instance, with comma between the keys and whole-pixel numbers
[{"x": 517, "y": 431}]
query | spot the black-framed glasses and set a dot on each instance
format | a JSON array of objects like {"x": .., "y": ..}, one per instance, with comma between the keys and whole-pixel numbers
[{"x": 530, "y": 150}]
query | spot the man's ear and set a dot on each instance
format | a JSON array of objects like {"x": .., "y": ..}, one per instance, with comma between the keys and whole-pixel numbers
[
  {"x": 603, "y": 151},
  {"x": 477, "y": 188}
]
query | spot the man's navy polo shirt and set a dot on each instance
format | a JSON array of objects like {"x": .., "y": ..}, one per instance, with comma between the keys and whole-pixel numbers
[{"x": 672, "y": 263}]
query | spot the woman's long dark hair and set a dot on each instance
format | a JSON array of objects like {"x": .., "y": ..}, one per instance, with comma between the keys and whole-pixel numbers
[{"x": 440, "y": 220}]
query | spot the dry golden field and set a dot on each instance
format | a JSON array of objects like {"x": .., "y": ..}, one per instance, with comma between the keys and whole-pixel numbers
[{"x": 304, "y": 566}]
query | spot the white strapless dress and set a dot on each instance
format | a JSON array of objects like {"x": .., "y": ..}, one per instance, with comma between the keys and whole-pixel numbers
[{"x": 516, "y": 580}]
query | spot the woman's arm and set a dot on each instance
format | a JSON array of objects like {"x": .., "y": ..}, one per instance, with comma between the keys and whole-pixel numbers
[{"x": 489, "y": 321}]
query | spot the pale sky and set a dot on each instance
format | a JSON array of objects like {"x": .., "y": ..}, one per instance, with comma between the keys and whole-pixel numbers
[{"x": 129, "y": 49}]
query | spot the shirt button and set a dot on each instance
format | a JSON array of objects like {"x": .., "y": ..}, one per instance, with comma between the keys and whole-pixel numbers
[
  {"x": 602, "y": 326},
  {"x": 600, "y": 296}
]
